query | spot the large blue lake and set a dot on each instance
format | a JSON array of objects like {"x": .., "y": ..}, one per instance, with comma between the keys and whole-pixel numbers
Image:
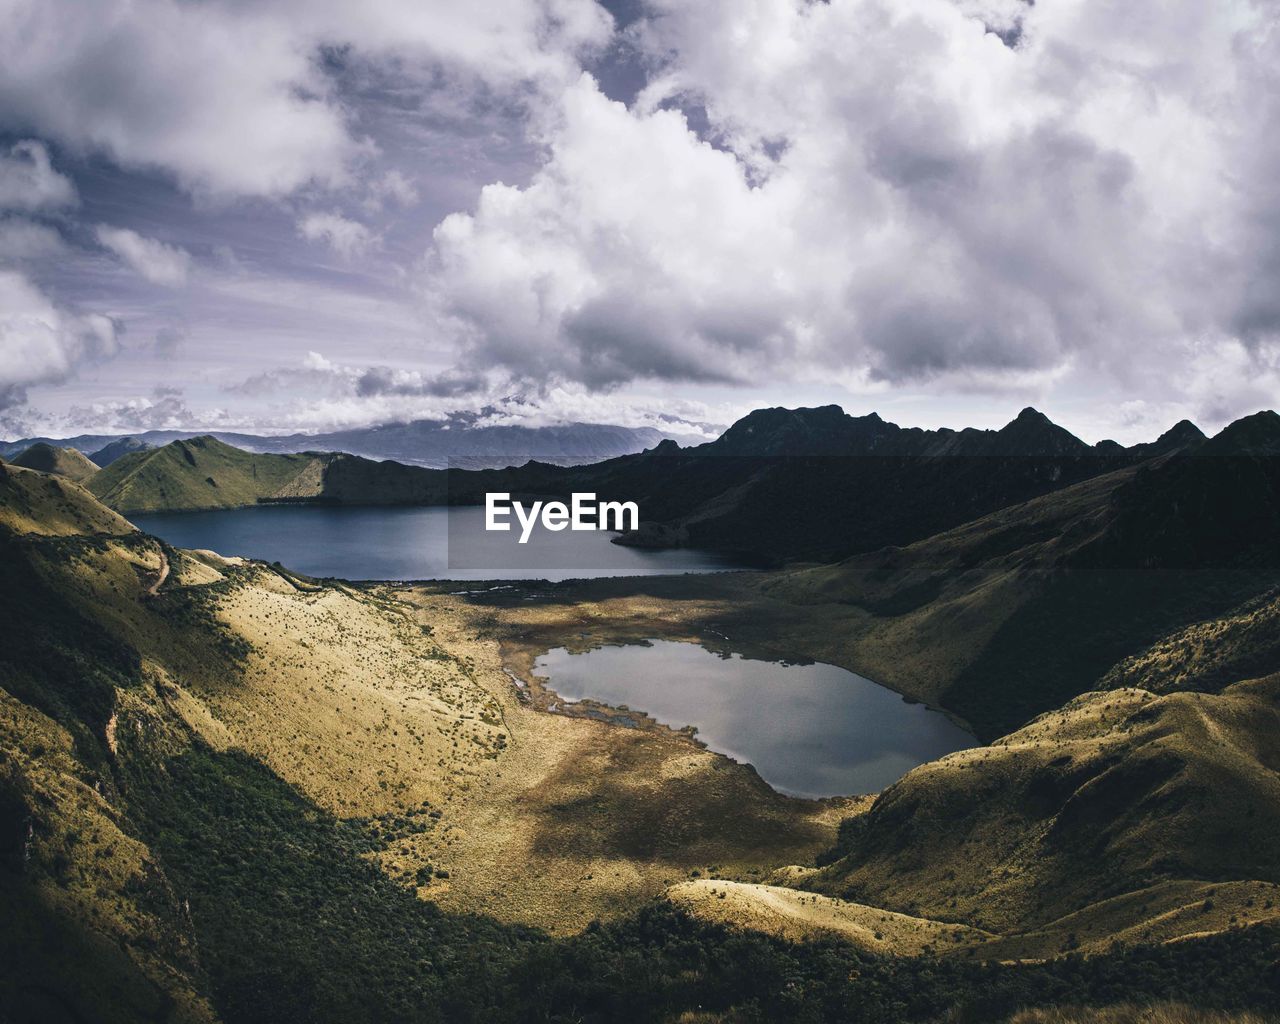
[
  {"x": 413, "y": 543},
  {"x": 809, "y": 730}
]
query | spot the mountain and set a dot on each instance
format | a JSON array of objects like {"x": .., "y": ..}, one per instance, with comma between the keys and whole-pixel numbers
[
  {"x": 826, "y": 430},
  {"x": 200, "y": 473},
  {"x": 1012, "y": 613},
  {"x": 231, "y": 793},
  {"x": 830, "y": 431},
  {"x": 460, "y": 439},
  {"x": 108, "y": 453},
  {"x": 1115, "y": 818},
  {"x": 66, "y": 462},
  {"x": 1183, "y": 436},
  {"x": 1258, "y": 434},
  {"x": 780, "y": 485},
  {"x": 816, "y": 484},
  {"x": 35, "y": 503}
]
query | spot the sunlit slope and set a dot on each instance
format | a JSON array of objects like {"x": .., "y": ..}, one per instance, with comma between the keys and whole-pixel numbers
[
  {"x": 1242, "y": 644},
  {"x": 201, "y": 473},
  {"x": 219, "y": 778},
  {"x": 43, "y": 503},
  {"x": 66, "y": 462},
  {"x": 1117, "y": 792}
]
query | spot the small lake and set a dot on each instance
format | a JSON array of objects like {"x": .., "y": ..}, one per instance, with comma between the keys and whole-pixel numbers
[
  {"x": 413, "y": 543},
  {"x": 809, "y": 730}
]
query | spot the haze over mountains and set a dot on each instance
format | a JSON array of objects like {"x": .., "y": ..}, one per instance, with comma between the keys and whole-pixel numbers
[{"x": 460, "y": 439}]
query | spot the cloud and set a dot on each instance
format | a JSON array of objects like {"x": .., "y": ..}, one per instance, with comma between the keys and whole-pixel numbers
[
  {"x": 150, "y": 258},
  {"x": 348, "y": 238},
  {"x": 22, "y": 240},
  {"x": 164, "y": 409},
  {"x": 392, "y": 188},
  {"x": 319, "y": 376},
  {"x": 236, "y": 99},
  {"x": 383, "y": 380},
  {"x": 42, "y": 343},
  {"x": 322, "y": 393},
  {"x": 28, "y": 181},
  {"x": 901, "y": 193}
]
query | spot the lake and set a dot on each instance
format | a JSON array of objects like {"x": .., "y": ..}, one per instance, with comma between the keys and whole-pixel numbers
[
  {"x": 413, "y": 543},
  {"x": 809, "y": 730}
]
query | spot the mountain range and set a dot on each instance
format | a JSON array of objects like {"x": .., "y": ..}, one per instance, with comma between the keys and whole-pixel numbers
[
  {"x": 459, "y": 439},
  {"x": 780, "y": 485},
  {"x": 231, "y": 793}
]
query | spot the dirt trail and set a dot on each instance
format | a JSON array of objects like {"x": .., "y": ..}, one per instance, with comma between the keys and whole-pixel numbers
[{"x": 161, "y": 576}]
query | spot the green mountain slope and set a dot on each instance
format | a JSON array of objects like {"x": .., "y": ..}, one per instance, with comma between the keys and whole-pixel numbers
[
  {"x": 32, "y": 502},
  {"x": 66, "y": 462},
  {"x": 202, "y": 473}
]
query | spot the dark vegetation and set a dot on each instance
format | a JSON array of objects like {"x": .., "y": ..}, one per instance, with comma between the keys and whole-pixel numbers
[
  {"x": 53, "y": 657},
  {"x": 1188, "y": 538},
  {"x": 1081, "y": 623},
  {"x": 294, "y": 926}
]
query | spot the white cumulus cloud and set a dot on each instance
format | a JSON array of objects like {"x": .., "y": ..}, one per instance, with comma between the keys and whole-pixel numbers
[
  {"x": 233, "y": 98},
  {"x": 42, "y": 343},
  {"x": 152, "y": 259},
  {"x": 889, "y": 193}
]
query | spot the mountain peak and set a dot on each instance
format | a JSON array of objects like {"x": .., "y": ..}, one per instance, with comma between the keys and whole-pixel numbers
[
  {"x": 1031, "y": 432},
  {"x": 48, "y": 458},
  {"x": 1181, "y": 436},
  {"x": 1258, "y": 434},
  {"x": 819, "y": 430}
]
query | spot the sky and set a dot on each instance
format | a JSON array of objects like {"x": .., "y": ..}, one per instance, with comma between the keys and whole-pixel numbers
[{"x": 303, "y": 215}]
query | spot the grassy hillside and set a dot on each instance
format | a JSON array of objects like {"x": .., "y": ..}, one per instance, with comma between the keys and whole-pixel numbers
[
  {"x": 1016, "y": 612},
  {"x": 201, "y": 473},
  {"x": 66, "y": 462},
  {"x": 231, "y": 793},
  {"x": 1243, "y": 644},
  {"x": 1122, "y": 814},
  {"x": 32, "y": 502}
]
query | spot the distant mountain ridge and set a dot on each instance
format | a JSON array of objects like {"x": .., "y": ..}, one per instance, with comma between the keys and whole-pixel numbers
[
  {"x": 829, "y": 430},
  {"x": 108, "y": 454},
  {"x": 460, "y": 439},
  {"x": 780, "y": 485}
]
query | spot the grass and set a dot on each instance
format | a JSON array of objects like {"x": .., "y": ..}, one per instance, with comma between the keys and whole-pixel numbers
[
  {"x": 200, "y": 473},
  {"x": 1130, "y": 1013}
]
